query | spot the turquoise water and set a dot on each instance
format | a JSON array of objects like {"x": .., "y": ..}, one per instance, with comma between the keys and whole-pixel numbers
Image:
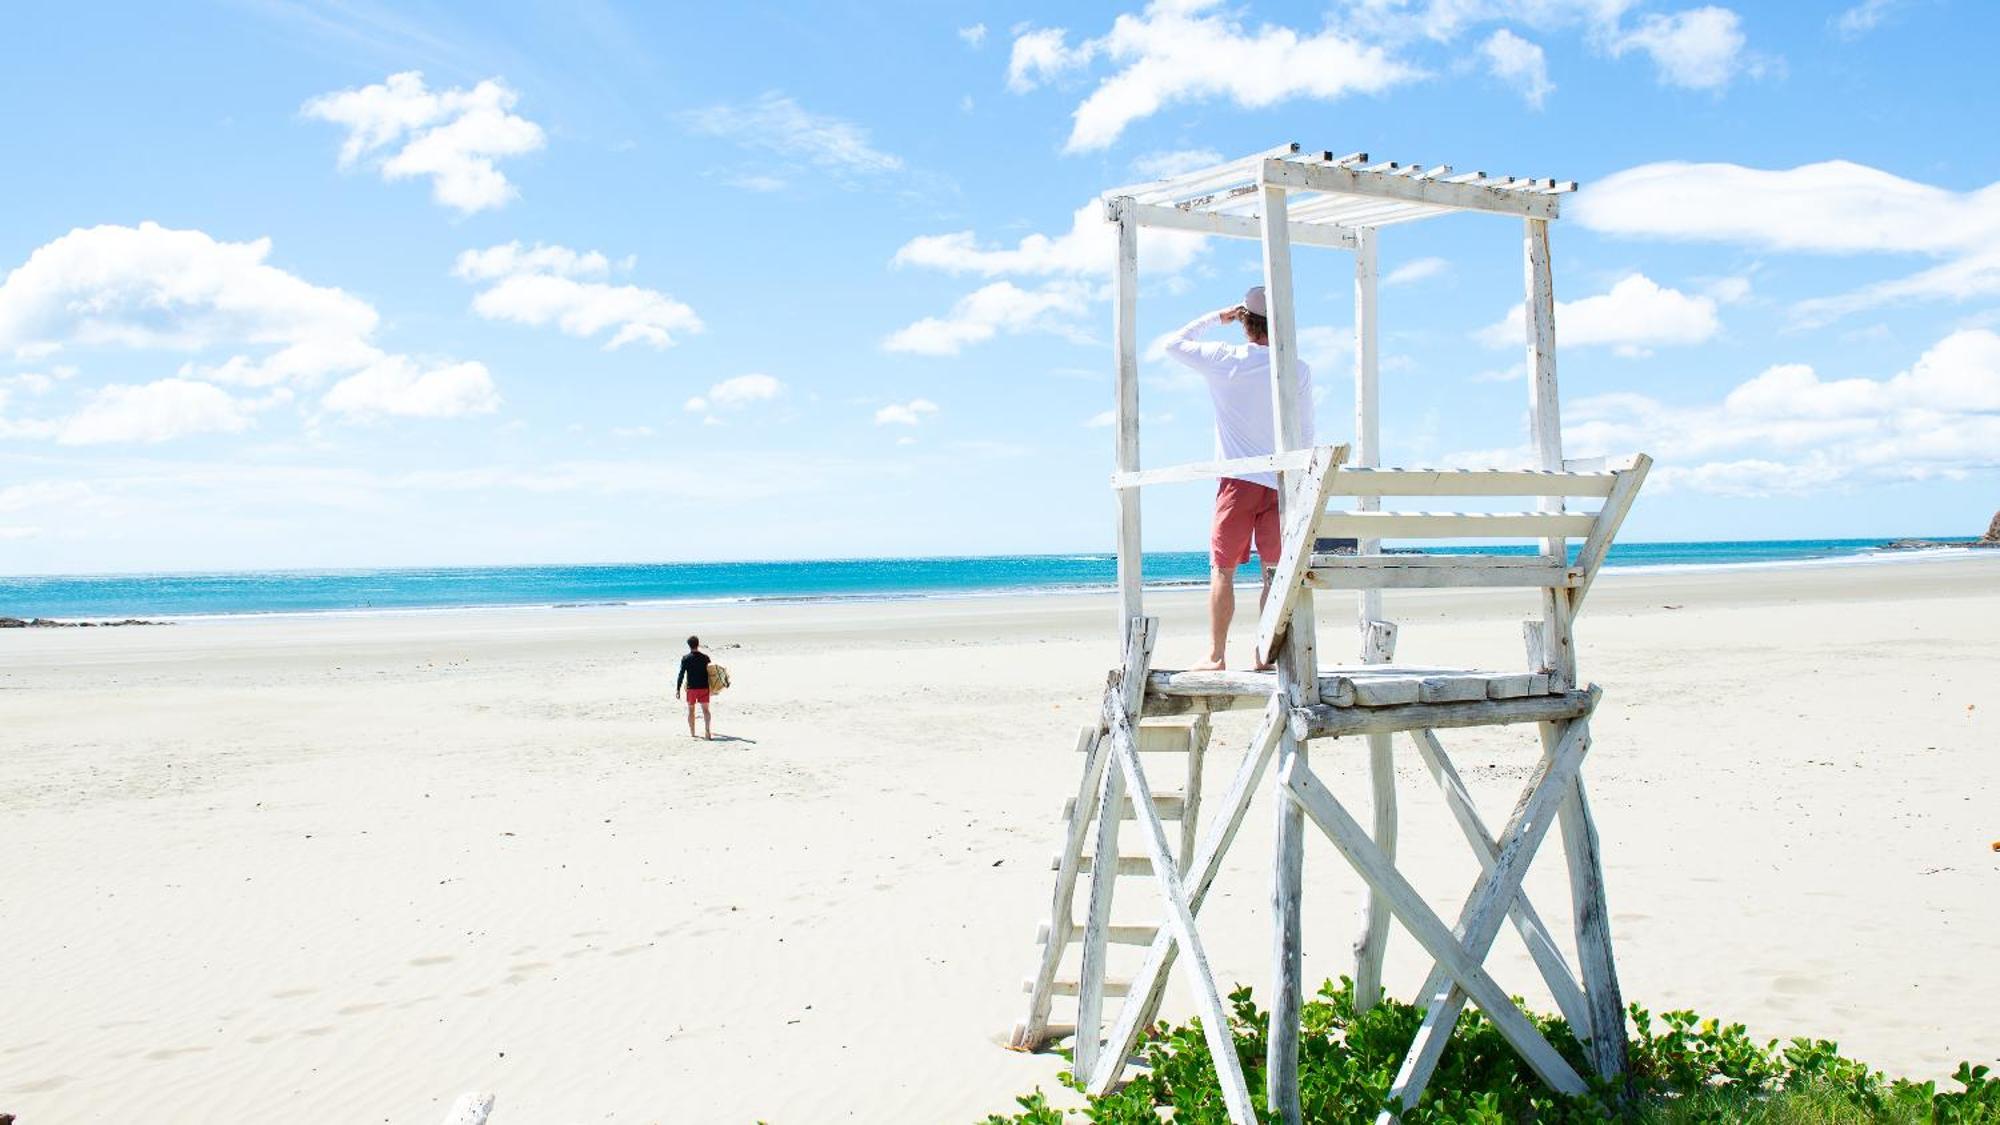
[{"x": 294, "y": 591}]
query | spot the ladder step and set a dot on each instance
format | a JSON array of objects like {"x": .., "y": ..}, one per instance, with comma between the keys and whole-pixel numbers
[
  {"x": 1158, "y": 736},
  {"x": 1068, "y": 987},
  {"x": 1127, "y": 864},
  {"x": 1171, "y": 806},
  {"x": 1116, "y": 935}
]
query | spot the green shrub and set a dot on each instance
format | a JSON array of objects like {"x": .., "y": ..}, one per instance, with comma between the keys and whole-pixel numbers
[{"x": 1684, "y": 1070}]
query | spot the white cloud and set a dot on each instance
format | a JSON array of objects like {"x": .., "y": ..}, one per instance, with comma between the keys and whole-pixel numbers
[
  {"x": 1697, "y": 49},
  {"x": 153, "y": 412},
  {"x": 1088, "y": 249},
  {"x": 1176, "y": 51},
  {"x": 974, "y": 36},
  {"x": 398, "y": 387},
  {"x": 1635, "y": 315},
  {"x": 909, "y": 413},
  {"x": 451, "y": 136},
  {"x": 736, "y": 393},
  {"x": 783, "y": 128},
  {"x": 1833, "y": 207},
  {"x": 1420, "y": 269},
  {"x": 1789, "y": 430},
  {"x": 1164, "y": 165},
  {"x": 543, "y": 286},
  {"x": 236, "y": 320},
  {"x": 1519, "y": 63},
  {"x": 1864, "y": 17},
  {"x": 993, "y": 309}
]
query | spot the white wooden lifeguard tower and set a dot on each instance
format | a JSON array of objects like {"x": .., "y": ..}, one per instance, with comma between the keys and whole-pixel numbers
[{"x": 1286, "y": 197}]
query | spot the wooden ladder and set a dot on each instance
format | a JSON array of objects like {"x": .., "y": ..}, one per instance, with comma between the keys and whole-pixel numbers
[{"x": 1088, "y": 834}]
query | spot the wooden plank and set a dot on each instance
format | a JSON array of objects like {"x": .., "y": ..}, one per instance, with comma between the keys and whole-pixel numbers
[
  {"x": 1335, "y": 722},
  {"x": 1435, "y": 193},
  {"x": 1150, "y": 982},
  {"x": 1444, "y": 994},
  {"x": 1339, "y": 574},
  {"x": 1448, "y": 688},
  {"x": 469, "y": 1109},
  {"x": 1209, "y": 470},
  {"x": 1197, "y": 755},
  {"x": 1361, "y": 481},
  {"x": 1609, "y": 519},
  {"x": 1103, "y": 880},
  {"x": 1429, "y": 931},
  {"x": 1514, "y": 685},
  {"x": 1242, "y": 169},
  {"x": 1592, "y": 919},
  {"x": 1432, "y": 560},
  {"x": 1169, "y": 806},
  {"x": 1237, "y": 226},
  {"x": 1125, "y": 334},
  {"x": 1109, "y": 987},
  {"x": 1127, "y": 864},
  {"x": 1383, "y": 691},
  {"x": 1453, "y": 525},
  {"x": 1534, "y": 933},
  {"x": 1116, "y": 935},
  {"x": 1030, "y": 1033},
  {"x": 1306, "y": 498}
]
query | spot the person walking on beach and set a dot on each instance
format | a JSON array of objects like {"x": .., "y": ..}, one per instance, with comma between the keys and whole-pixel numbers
[
  {"x": 1246, "y": 506},
  {"x": 694, "y": 674}
]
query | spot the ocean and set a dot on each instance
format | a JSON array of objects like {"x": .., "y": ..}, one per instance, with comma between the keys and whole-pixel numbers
[{"x": 90, "y": 597}]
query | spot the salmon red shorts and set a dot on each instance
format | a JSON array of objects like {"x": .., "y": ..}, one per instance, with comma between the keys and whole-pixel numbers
[
  {"x": 697, "y": 695},
  {"x": 1245, "y": 512}
]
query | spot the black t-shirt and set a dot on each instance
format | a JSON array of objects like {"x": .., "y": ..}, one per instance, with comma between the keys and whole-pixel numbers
[{"x": 694, "y": 670}]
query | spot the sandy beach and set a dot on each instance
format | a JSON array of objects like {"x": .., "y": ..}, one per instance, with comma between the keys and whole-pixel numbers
[{"x": 344, "y": 868}]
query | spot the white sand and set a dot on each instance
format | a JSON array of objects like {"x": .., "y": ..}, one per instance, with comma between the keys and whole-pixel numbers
[{"x": 345, "y": 868}]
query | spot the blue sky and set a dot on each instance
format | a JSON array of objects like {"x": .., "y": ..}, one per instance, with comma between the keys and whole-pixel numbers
[{"x": 298, "y": 285}]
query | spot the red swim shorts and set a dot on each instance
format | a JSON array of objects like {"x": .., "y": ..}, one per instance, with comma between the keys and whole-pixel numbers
[
  {"x": 1244, "y": 511},
  {"x": 697, "y": 695}
]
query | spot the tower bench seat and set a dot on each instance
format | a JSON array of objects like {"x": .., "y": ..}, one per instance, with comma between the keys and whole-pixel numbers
[{"x": 1171, "y": 692}]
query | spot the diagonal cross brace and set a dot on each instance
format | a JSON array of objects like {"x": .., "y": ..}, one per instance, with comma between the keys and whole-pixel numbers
[
  {"x": 1149, "y": 985},
  {"x": 1534, "y": 932},
  {"x": 1428, "y": 929},
  {"x": 1486, "y": 908},
  {"x": 1302, "y": 511},
  {"x": 1180, "y": 921}
]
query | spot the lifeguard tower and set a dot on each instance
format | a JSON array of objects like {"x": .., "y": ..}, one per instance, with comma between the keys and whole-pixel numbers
[{"x": 1286, "y": 198}]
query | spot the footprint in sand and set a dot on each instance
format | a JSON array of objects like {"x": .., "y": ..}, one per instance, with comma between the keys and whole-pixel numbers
[
  {"x": 357, "y": 1009},
  {"x": 41, "y": 1085},
  {"x": 1792, "y": 985},
  {"x": 527, "y": 966},
  {"x": 25, "y": 1047},
  {"x": 315, "y": 1032},
  {"x": 631, "y": 949},
  {"x": 166, "y": 1053},
  {"x": 289, "y": 993},
  {"x": 433, "y": 959}
]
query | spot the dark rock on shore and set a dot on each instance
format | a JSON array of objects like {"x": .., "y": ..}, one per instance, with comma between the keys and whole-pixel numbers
[
  {"x": 1990, "y": 539},
  {"x": 52, "y": 623}
]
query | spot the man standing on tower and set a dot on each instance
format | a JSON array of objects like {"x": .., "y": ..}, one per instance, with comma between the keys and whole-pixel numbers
[{"x": 1246, "y": 506}]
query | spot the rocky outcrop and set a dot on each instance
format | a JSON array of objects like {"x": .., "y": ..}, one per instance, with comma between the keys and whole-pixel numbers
[
  {"x": 52, "y": 623},
  {"x": 1990, "y": 539}
]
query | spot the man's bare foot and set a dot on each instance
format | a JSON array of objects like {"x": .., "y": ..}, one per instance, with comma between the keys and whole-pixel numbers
[{"x": 1209, "y": 666}]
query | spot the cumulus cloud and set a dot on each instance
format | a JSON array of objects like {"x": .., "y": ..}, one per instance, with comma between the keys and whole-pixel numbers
[
  {"x": 237, "y": 320},
  {"x": 154, "y": 412},
  {"x": 1787, "y": 429},
  {"x": 1831, "y": 207},
  {"x": 1864, "y": 17},
  {"x": 993, "y": 309},
  {"x": 909, "y": 413},
  {"x": 776, "y": 124},
  {"x": 1177, "y": 162},
  {"x": 1637, "y": 314},
  {"x": 1519, "y": 63},
  {"x": 974, "y": 36},
  {"x": 736, "y": 393},
  {"x": 453, "y": 137},
  {"x": 1088, "y": 249},
  {"x": 1696, "y": 49},
  {"x": 1176, "y": 51},
  {"x": 1420, "y": 269},
  {"x": 547, "y": 285},
  {"x": 397, "y": 387}
]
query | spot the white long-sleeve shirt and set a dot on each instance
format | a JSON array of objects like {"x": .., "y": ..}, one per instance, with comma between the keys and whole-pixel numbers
[{"x": 1239, "y": 382}]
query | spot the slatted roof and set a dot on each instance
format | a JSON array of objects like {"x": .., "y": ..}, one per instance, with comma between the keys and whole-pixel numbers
[{"x": 1337, "y": 193}]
